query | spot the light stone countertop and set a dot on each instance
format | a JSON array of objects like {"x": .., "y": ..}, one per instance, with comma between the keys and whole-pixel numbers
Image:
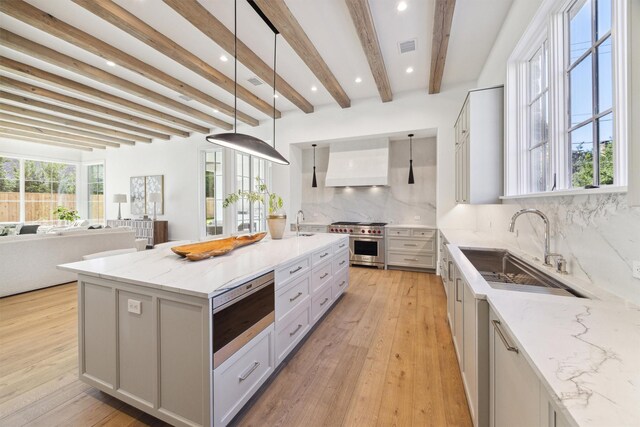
[
  {"x": 162, "y": 269},
  {"x": 420, "y": 226},
  {"x": 585, "y": 351}
]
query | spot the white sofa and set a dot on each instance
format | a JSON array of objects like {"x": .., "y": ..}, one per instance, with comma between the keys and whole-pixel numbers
[{"x": 29, "y": 261}]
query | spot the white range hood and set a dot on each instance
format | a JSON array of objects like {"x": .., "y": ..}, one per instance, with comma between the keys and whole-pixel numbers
[{"x": 358, "y": 163}]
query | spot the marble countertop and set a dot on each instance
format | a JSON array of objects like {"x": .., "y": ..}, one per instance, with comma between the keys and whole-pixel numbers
[
  {"x": 585, "y": 351},
  {"x": 161, "y": 268},
  {"x": 421, "y": 226}
]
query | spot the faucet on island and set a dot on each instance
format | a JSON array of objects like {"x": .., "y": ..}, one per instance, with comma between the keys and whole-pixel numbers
[
  {"x": 561, "y": 263},
  {"x": 298, "y": 222}
]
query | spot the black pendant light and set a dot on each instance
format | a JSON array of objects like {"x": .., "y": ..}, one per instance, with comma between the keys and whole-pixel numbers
[
  {"x": 238, "y": 141},
  {"x": 314, "y": 182},
  {"x": 411, "y": 180}
]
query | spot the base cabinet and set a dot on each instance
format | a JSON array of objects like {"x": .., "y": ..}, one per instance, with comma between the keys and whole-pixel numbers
[{"x": 412, "y": 248}]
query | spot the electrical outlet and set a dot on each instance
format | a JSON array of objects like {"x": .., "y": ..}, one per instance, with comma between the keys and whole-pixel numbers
[
  {"x": 134, "y": 306},
  {"x": 636, "y": 269}
]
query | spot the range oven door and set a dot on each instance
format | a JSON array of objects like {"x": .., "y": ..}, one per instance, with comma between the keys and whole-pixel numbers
[
  {"x": 367, "y": 250},
  {"x": 236, "y": 323}
]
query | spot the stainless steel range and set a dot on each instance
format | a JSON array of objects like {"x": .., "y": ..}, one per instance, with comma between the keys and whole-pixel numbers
[{"x": 366, "y": 241}]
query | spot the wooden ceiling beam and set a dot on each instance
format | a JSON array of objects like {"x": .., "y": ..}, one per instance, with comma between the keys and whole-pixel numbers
[
  {"x": 27, "y": 47},
  {"x": 442, "y": 19},
  {"x": 43, "y": 21},
  {"x": 8, "y": 135},
  {"x": 209, "y": 25},
  {"x": 281, "y": 17},
  {"x": 365, "y": 27},
  {"x": 46, "y": 133},
  {"x": 157, "y": 130},
  {"x": 73, "y": 131},
  {"x": 128, "y": 22},
  {"x": 9, "y": 131},
  {"x": 6, "y": 96}
]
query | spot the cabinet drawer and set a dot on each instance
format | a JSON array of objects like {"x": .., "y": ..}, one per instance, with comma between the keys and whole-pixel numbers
[
  {"x": 292, "y": 295},
  {"x": 290, "y": 334},
  {"x": 420, "y": 232},
  {"x": 340, "y": 284},
  {"x": 293, "y": 269},
  {"x": 320, "y": 303},
  {"x": 413, "y": 245},
  {"x": 341, "y": 245},
  {"x": 399, "y": 232},
  {"x": 412, "y": 260},
  {"x": 320, "y": 275},
  {"x": 318, "y": 228},
  {"x": 340, "y": 261},
  {"x": 239, "y": 377},
  {"x": 321, "y": 255}
]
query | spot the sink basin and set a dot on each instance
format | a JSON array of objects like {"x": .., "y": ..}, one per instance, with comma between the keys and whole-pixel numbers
[{"x": 503, "y": 270}]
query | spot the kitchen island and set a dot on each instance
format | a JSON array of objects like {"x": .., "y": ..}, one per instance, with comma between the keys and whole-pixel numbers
[{"x": 146, "y": 323}]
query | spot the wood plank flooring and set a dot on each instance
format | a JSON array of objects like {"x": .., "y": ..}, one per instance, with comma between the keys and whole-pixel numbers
[{"x": 382, "y": 356}]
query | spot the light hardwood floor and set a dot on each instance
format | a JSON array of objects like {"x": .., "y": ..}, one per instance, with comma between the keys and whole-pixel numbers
[{"x": 382, "y": 356}]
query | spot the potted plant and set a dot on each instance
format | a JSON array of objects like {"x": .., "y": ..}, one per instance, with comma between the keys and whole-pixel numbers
[
  {"x": 66, "y": 214},
  {"x": 277, "y": 219}
]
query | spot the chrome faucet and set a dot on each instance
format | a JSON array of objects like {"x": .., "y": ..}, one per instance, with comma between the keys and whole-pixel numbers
[
  {"x": 561, "y": 263},
  {"x": 298, "y": 222}
]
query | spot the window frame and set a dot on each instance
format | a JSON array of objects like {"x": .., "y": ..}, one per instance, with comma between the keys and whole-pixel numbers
[
  {"x": 551, "y": 22},
  {"x": 85, "y": 191}
]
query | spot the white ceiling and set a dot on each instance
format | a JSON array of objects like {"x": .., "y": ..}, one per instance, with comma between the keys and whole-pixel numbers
[{"x": 327, "y": 23}]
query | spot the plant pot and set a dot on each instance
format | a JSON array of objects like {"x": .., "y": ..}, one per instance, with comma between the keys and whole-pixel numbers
[{"x": 277, "y": 225}]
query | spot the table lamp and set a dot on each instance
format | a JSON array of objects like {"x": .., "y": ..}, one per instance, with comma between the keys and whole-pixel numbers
[
  {"x": 119, "y": 199},
  {"x": 155, "y": 198}
]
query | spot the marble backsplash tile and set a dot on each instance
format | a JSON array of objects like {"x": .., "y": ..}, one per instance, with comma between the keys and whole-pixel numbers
[
  {"x": 398, "y": 203},
  {"x": 598, "y": 234}
]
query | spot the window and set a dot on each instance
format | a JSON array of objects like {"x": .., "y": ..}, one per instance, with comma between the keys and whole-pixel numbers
[
  {"x": 566, "y": 90},
  {"x": 46, "y": 186},
  {"x": 538, "y": 117},
  {"x": 9, "y": 190},
  {"x": 95, "y": 193},
  {"x": 214, "y": 193},
  {"x": 250, "y": 217},
  {"x": 590, "y": 83}
]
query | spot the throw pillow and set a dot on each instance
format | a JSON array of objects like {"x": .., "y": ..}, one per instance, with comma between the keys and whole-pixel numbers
[
  {"x": 29, "y": 229},
  {"x": 95, "y": 227},
  {"x": 4, "y": 231}
]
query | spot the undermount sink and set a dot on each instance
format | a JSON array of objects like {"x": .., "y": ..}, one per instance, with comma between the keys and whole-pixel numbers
[{"x": 503, "y": 270}]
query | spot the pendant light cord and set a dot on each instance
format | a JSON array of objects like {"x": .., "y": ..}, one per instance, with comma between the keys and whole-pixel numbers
[
  {"x": 275, "y": 47},
  {"x": 235, "y": 66}
]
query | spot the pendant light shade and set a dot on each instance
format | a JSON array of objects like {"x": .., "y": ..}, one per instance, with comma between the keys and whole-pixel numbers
[
  {"x": 411, "y": 180},
  {"x": 238, "y": 141},
  {"x": 314, "y": 182}
]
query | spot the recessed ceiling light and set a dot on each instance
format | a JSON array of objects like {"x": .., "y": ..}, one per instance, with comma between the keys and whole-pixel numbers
[
  {"x": 216, "y": 111},
  {"x": 111, "y": 63},
  {"x": 275, "y": 96},
  {"x": 409, "y": 70},
  {"x": 223, "y": 58},
  {"x": 314, "y": 89},
  {"x": 358, "y": 80},
  {"x": 402, "y": 6}
]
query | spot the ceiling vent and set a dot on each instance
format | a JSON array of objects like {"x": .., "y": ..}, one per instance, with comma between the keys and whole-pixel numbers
[
  {"x": 407, "y": 46},
  {"x": 255, "y": 81},
  {"x": 185, "y": 98}
]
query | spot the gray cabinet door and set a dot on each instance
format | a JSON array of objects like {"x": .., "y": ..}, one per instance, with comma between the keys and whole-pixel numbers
[{"x": 458, "y": 317}]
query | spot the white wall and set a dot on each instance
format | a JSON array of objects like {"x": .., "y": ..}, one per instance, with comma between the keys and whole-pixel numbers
[
  {"x": 397, "y": 203},
  {"x": 10, "y": 147}
]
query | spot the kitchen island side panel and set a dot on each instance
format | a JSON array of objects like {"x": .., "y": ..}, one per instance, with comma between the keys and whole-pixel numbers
[{"x": 158, "y": 360}]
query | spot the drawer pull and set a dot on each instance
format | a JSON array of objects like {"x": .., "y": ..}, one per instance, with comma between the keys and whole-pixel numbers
[
  {"x": 410, "y": 244},
  {"x": 342, "y": 262},
  {"x": 324, "y": 275},
  {"x": 449, "y": 270},
  {"x": 296, "y": 297},
  {"x": 249, "y": 372},
  {"x": 342, "y": 284},
  {"x": 503, "y": 338},
  {"x": 457, "y": 281},
  {"x": 324, "y": 302},
  {"x": 324, "y": 254},
  {"x": 411, "y": 259},
  {"x": 295, "y": 270},
  {"x": 342, "y": 245},
  {"x": 296, "y": 330}
]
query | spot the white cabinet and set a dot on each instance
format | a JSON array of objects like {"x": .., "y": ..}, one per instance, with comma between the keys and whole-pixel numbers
[
  {"x": 514, "y": 386},
  {"x": 413, "y": 248},
  {"x": 450, "y": 289},
  {"x": 479, "y": 147},
  {"x": 240, "y": 376},
  {"x": 458, "y": 316}
]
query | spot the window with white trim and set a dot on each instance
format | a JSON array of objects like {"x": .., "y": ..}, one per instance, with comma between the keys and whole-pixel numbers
[{"x": 566, "y": 99}]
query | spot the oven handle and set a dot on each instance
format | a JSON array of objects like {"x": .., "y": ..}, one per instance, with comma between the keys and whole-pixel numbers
[{"x": 366, "y": 238}]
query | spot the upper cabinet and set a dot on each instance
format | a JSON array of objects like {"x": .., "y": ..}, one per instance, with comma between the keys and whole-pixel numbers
[{"x": 479, "y": 146}]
